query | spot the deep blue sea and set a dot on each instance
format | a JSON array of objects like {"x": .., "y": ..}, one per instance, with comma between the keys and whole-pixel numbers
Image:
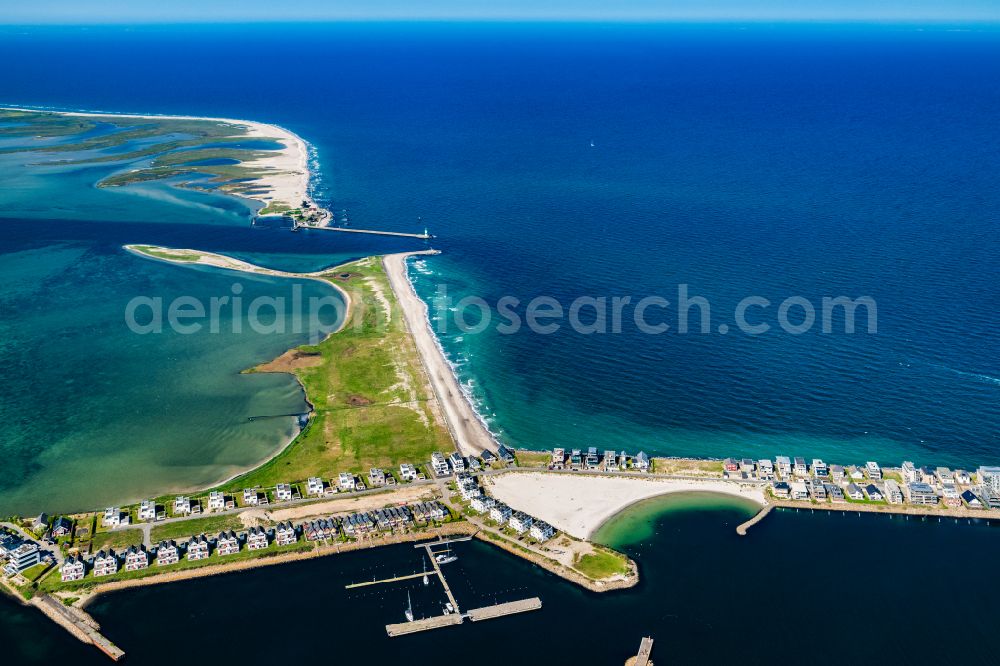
[
  {"x": 559, "y": 161},
  {"x": 701, "y": 588}
]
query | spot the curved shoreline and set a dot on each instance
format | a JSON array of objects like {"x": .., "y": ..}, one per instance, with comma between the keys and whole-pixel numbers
[
  {"x": 581, "y": 504},
  {"x": 223, "y": 262},
  {"x": 289, "y": 184},
  {"x": 671, "y": 493},
  {"x": 468, "y": 431}
]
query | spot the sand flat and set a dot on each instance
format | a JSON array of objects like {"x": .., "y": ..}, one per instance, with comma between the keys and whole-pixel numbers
[
  {"x": 286, "y": 178},
  {"x": 578, "y": 504}
]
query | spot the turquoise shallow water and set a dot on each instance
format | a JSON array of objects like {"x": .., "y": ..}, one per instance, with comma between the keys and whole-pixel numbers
[
  {"x": 93, "y": 413},
  {"x": 612, "y": 161},
  {"x": 639, "y": 523},
  {"x": 90, "y": 403}
]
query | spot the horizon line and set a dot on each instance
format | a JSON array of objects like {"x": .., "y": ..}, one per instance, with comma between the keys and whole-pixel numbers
[{"x": 508, "y": 20}]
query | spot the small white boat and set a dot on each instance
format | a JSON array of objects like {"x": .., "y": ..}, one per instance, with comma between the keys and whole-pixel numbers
[
  {"x": 409, "y": 608},
  {"x": 445, "y": 557},
  {"x": 426, "y": 579},
  {"x": 448, "y": 607}
]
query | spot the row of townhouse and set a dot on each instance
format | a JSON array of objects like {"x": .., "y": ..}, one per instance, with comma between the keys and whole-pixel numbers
[
  {"x": 787, "y": 469},
  {"x": 923, "y": 485},
  {"x": 393, "y": 517},
  {"x": 519, "y": 521},
  {"x": 889, "y": 490},
  {"x": 228, "y": 542},
  {"x": 321, "y": 529},
  {"x": 429, "y": 512},
  {"x": 609, "y": 461},
  {"x": 107, "y": 562},
  {"x": 456, "y": 463},
  {"x": 499, "y": 512},
  {"x": 359, "y": 524},
  {"x": 149, "y": 510}
]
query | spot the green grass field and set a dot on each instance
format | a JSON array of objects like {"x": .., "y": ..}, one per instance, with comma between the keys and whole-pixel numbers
[
  {"x": 34, "y": 573},
  {"x": 369, "y": 391},
  {"x": 533, "y": 458},
  {"x": 186, "y": 528},
  {"x": 602, "y": 563},
  {"x": 117, "y": 540}
]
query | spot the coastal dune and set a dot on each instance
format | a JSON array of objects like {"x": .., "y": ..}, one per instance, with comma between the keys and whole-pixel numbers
[{"x": 579, "y": 504}]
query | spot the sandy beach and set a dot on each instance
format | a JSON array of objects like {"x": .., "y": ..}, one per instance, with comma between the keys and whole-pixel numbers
[
  {"x": 580, "y": 504},
  {"x": 470, "y": 434},
  {"x": 201, "y": 258},
  {"x": 287, "y": 179}
]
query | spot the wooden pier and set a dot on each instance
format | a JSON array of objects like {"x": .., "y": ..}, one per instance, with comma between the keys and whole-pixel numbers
[
  {"x": 474, "y": 615},
  {"x": 645, "y": 650},
  {"x": 444, "y": 582},
  {"x": 441, "y": 542},
  {"x": 499, "y": 610},
  {"x": 394, "y": 579},
  {"x": 456, "y": 617},
  {"x": 404, "y": 628}
]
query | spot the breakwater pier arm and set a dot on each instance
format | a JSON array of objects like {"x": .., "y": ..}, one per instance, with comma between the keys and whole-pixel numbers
[
  {"x": 423, "y": 236},
  {"x": 645, "y": 650},
  {"x": 759, "y": 516},
  {"x": 78, "y": 623}
]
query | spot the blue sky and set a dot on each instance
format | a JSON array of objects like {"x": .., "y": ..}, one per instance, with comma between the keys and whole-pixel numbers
[{"x": 156, "y": 11}]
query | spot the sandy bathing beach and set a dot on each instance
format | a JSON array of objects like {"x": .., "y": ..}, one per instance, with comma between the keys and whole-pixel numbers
[
  {"x": 470, "y": 434},
  {"x": 579, "y": 505},
  {"x": 287, "y": 179}
]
